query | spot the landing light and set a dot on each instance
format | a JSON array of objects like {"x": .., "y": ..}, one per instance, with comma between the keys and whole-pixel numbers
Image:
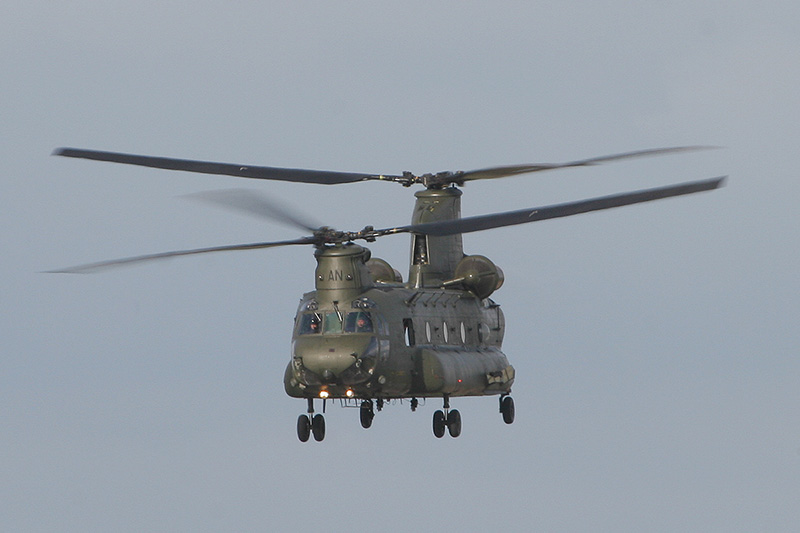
[
  {"x": 323, "y": 394},
  {"x": 349, "y": 393}
]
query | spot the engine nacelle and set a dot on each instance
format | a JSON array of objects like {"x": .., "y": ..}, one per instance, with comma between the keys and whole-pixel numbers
[
  {"x": 479, "y": 275},
  {"x": 382, "y": 272}
]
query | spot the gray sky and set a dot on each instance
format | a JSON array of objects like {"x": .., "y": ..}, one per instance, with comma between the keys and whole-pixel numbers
[{"x": 656, "y": 346}]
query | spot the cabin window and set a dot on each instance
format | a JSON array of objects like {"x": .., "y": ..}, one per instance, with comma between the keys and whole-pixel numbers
[
  {"x": 463, "y": 334},
  {"x": 310, "y": 323},
  {"x": 408, "y": 331},
  {"x": 483, "y": 333},
  {"x": 445, "y": 332},
  {"x": 428, "y": 331},
  {"x": 358, "y": 322}
]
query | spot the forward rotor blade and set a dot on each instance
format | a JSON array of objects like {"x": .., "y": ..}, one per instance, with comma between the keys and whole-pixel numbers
[
  {"x": 255, "y": 204},
  {"x": 208, "y": 167},
  {"x": 497, "y": 220},
  {"x": 96, "y": 267},
  {"x": 505, "y": 171}
]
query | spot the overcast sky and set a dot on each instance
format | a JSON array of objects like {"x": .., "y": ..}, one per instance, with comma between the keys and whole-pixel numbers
[{"x": 656, "y": 346}]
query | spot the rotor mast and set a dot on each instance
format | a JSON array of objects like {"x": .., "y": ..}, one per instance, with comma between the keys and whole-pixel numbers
[
  {"x": 434, "y": 258},
  {"x": 341, "y": 273}
]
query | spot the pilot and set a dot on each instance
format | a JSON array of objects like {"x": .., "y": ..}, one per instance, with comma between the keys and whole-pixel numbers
[{"x": 363, "y": 323}]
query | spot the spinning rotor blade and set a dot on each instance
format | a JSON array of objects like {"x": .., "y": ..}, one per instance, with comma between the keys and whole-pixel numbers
[
  {"x": 324, "y": 177},
  {"x": 510, "y": 218},
  {"x": 513, "y": 170},
  {"x": 325, "y": 236},
  {"x": 95, "y": 267},
  {"x": 442, "y": 179},
  {"x": 255, "y": 204}
]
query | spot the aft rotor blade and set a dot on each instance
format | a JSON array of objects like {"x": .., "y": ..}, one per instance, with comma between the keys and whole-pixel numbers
[
  {"x": 96, "y": 267},
  {"x": 505, "y": 171},
  {"x": 497, "y": 220},
  {"x": 324, "y": 177},
  {"x": 255, "y": 204}
]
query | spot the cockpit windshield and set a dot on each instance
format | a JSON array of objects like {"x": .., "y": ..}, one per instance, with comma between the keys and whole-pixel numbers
[
  {"x": 335, "y": 323},
  {"x": 359, "y": 322},
  {"x": 310, "y": 323}
]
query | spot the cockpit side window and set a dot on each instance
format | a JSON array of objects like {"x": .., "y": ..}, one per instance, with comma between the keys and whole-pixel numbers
[
  {"x": 380, "y": 322},
  {"x": 310, "y": 323}
]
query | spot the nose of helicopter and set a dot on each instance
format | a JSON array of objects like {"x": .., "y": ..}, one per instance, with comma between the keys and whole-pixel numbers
[{"x": 329, "y": 356}]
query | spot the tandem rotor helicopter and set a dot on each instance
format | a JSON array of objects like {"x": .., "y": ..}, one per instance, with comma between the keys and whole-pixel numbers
[{"x": 364, "y": 336}]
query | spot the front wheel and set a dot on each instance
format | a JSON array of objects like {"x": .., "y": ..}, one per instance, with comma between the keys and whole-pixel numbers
[
  {"x": 366, "y": 414},
  {"x": 303, "y": 428}
]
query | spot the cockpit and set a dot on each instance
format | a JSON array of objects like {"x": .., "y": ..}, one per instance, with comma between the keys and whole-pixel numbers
[{"x": 335, "y": 323}]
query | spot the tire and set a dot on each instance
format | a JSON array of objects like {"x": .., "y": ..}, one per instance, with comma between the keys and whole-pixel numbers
[
  {"x": 507, "y": 408},
  {"x": 454, "y": 423},
  {"x": 438, "y": 424},
  {"x": 303, "y": 428},
  {"x": 366, "y": 414},
  {"x": 318, "y": 427}
]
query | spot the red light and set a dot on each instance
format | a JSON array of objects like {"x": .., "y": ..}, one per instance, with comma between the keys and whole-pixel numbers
[{"x": 459, "y": 381}]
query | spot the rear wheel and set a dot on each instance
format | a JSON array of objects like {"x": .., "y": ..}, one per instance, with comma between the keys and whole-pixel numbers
[
  {"x": 454, "y": 423},
  {"x": 507, "y": 409},
  {"x": 438, "y": 424},
  {"x": 318, "y": 427},
  {"x": 303, "y": 428}
]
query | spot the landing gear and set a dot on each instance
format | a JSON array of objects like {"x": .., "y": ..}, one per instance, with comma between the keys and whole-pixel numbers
[
  {"x": 318, "y": 427},
  {"x": 454, "y": 423},
  {"x": 366, "y": 414},
  {"x": 507, "y": 409},
  {"x": 311, "y": 424},
  {"x": 446, "y": 419},
  {"x": 303, "y": 428},
  {"x": 438, "y": 424}
]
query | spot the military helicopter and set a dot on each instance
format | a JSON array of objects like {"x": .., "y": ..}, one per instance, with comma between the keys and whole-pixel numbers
[{"x": 364, "y": 336}]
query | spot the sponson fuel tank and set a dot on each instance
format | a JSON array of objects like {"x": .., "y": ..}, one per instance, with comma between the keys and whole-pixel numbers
[{"x": 461, "y": 371}]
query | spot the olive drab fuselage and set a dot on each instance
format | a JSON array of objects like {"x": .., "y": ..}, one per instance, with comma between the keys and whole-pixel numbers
[{"x": 364, "y": 334}]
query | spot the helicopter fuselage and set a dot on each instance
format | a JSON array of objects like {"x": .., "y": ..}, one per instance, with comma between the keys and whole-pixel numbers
[
  {"x": 391, "y": 341},
  {"x": 363, "y": 334}
]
